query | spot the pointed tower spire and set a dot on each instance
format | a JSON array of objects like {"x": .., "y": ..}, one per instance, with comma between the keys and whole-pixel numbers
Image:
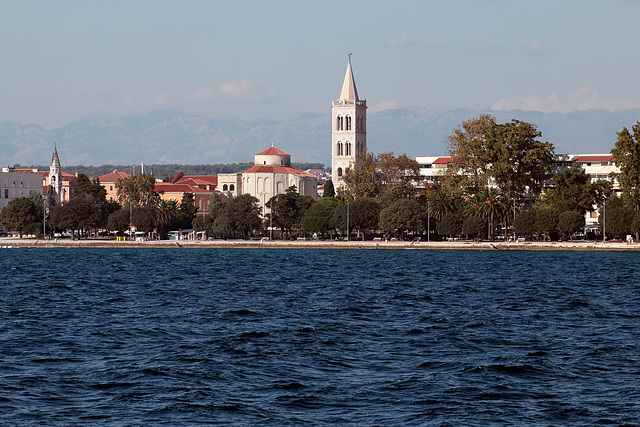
[
  {"x": 349, "y": 91},
  {"x": 55, "y": 160}
]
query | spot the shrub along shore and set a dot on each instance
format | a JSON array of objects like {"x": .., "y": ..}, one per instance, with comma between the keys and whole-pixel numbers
[{"x": 327, "y": 244}]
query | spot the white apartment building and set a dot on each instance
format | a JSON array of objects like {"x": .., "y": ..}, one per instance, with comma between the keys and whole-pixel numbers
[
  {"x": 16, "y": 183},
  {"x": 597, "y": 166}
]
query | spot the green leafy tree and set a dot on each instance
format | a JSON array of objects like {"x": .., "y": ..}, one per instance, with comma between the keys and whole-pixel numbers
[
  {"x": 525, "y": 222},
  {"x": 44, "y": 204},
  {"x": 372, "y": 175},
  {"x": 570, "y": 222},
  {"x": 241, "y": 215},
  {"x": 187, "y": 212},
  {"x": 216, "y": 208},
  {"x": 84, "y": 186},
  {"x": 399, "y": 190},
  {"x": 361, "y": 179},
  {"x": 616, "y": 218},
  {"x": 139, "y": 190},
  {"x": 547, "y": 222},
  {"x": 472, "y": 148},
  {"x": 474, "y": 226},
  {"x": 627, "y": 155},
  {"x": 397, "y": 169},
  {"x": 188, "y": 205},
  {"x": 80, "y": 213},
  {"x": 509, "y": 153},
  {"x": 118, "y": 221},
  {"x": 317, "y": 219},
  {"x": 18, "y": 214},
  {"x": 520, "y": 163},
  {"x": 449, "y": 225},
  {"x": 144, "y": 218},
  {"x": 329, "y": 189},
  {"x": 289, "y": 208},
  {"x": 403, "y": 215},
  {"x": 573, "y": 190}
]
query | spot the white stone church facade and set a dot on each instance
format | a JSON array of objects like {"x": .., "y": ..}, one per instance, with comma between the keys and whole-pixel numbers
[{"x": 271, "y": 175}]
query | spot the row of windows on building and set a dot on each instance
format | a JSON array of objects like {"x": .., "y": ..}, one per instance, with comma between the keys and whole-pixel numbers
[
  {"x": 14, "y": 194},
  {"x": 344, "y": 123},
  {"x": 344, "y": 148},
  {"x": 30, "y": 184}
]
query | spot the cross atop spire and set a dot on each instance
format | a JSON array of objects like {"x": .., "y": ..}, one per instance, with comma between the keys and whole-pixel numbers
[{"x": 349, "y": 91}]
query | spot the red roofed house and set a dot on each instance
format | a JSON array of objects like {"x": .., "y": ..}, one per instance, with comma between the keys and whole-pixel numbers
[
  {"x": 109, "y": 180},
  {"x": 175, "y": 191},
  {"x": 271, "y": 175},
  {"x": 206, "y": 182}
]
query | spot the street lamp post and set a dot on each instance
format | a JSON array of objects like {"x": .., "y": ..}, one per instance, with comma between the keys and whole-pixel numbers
[
  {"x": 348, "y": 232},
  {"x": 44, "y": 217},
  {"x": 428, "y": 220},
  {"x": 604, "y": 221}
]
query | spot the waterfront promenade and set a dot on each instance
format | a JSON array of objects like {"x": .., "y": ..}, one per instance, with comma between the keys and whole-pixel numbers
[{"x": 315, "y": 244}]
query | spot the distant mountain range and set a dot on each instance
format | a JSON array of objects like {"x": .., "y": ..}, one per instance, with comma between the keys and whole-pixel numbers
[{"x": 169, "y": 136}]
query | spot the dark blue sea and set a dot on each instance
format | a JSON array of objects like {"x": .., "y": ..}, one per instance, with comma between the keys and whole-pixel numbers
[{"x": 321, "y": 337}]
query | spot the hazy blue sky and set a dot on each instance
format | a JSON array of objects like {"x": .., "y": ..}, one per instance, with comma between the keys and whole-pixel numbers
[{"x": 62, "y": 60}]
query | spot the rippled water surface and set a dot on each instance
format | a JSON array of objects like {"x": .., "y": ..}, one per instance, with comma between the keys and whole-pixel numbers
[{"x": 285, "y": 337}]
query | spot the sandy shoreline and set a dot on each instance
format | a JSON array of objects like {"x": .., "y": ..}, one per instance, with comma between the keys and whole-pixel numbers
[{"x": 256, "y": 244}]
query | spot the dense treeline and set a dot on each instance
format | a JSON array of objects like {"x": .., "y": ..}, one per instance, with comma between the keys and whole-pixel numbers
[
  {"x": 164, "y": 170},
  {"x": 500, "y": 182}
]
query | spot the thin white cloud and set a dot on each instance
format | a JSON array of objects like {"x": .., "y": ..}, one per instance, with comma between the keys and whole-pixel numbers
[
  {"x": 235, "y": 89},
  {"x": 384, "y": 105},
  {"x": 583, "y": 99},
  {"x": 534, "y": 47},
  {"x": 401, "y": 41}
]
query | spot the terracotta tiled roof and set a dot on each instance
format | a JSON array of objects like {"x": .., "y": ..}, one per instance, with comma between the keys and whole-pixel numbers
[
  {"x": 113, "y": 176},
  {"x": 28, "y": 171},
  {"x": 277, "y": 169},
  {"x": 598, "y": 158},
  {"x": 272, "y": 151},
  {"x": 441, "y": 160},
  {"x": 168, "y": 187},
  {"x": 197, "y": 180}
]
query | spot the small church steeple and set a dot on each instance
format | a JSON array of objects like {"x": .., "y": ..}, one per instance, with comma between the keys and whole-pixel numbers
[{"x": 55, "y": 177}]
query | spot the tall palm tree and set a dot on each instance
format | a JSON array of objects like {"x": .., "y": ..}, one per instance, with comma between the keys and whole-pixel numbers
[
  {"x": 489, "y": 205},
  {"x": 441, "y": 203},
  {"x": 166, "y": 214}
]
